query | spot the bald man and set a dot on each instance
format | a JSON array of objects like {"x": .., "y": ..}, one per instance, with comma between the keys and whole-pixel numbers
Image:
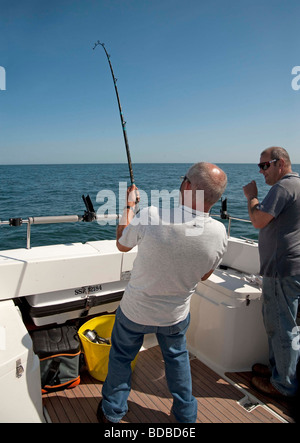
[{"x": 176, "y": 249}]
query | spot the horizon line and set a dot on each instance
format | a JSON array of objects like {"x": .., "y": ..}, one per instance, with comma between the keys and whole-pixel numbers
[{"x": 122, "y": 163}]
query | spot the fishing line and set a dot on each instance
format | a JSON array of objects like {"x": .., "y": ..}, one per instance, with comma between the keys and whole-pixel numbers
[{"x": 123, "y": 123}]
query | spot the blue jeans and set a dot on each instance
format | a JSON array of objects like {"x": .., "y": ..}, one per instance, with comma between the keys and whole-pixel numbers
[
  {"x": 127, "y": 339},
  {"x": 280, "y": 306}
]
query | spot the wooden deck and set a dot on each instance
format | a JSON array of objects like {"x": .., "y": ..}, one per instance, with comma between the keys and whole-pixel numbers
[{"x": 150, "y": 400}]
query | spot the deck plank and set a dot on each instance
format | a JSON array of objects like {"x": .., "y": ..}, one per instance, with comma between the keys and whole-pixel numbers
[{"x": 150, "y": 400}]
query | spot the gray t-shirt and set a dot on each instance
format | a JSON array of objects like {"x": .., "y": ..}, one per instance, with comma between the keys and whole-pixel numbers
[
  {"x": 174, "y": 252},
  {"x": 279, "y": 241}
]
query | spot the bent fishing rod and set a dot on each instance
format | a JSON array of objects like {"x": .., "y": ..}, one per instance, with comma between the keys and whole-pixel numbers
[{"x": 123, "y": 123}]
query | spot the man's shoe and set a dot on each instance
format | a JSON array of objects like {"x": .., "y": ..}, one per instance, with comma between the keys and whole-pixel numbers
[
  {"x": 261, "y": 370},
  {"x": 100, "y": 415},
  {"x": 265, "y": 386}
]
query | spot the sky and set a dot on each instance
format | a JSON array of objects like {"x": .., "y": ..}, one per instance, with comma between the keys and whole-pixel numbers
[{"x": 198, "y": 80}]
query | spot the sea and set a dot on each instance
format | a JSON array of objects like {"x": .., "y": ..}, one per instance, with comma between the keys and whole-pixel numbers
[{"x": 50, "y": 190}]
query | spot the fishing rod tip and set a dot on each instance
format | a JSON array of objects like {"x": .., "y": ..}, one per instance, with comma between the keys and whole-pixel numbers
[{"x": 98, "y": 43}]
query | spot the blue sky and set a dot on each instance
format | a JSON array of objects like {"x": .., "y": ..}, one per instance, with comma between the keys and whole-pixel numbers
[{"x": 199, "y": 80}]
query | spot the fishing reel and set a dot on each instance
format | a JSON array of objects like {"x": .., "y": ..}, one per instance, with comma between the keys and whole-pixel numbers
[{"x": 95, "y": 338}]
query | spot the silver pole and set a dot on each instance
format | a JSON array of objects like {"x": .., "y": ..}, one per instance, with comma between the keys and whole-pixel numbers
[{"x": 28, "y": 235}]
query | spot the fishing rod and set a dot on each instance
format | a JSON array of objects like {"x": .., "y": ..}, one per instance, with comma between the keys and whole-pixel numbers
[{"x": 123, "y": 123}]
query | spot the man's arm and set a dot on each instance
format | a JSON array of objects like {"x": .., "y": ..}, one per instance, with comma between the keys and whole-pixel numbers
[
  {"x": 259, "y": 219},
  {"x": 128, "y": 214}
]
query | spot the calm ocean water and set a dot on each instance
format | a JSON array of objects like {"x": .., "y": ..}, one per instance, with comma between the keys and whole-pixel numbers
[{"x": 40, "y": 190}]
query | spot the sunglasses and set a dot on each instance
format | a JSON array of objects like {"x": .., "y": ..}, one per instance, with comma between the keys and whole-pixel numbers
[{"x": 265, "y": 165}]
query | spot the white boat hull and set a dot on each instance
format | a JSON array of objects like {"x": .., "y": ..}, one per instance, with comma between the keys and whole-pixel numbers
[
  {"x": 226, "y": 330},
  {"x": 20, "y": 385}
]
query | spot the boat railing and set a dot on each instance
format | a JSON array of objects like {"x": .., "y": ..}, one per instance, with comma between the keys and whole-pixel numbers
[
  {"x": 225, "y": 216},
  {"x": 52, "y": 219},
  {"x": 229, "y": 218},
  {"x": 90, "y": 218}
]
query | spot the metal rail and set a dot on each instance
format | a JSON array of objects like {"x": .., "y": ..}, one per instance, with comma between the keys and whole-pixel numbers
[
  {"x": 77, "y": 218},
  {"x": 229, "y": 218},
  {"x": 50, "y": 220}
]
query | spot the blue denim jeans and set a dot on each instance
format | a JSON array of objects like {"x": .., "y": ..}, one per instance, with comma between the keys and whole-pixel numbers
[
  {"x": 280, "y": 306},
  {"x": 127, "y": 339}
]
